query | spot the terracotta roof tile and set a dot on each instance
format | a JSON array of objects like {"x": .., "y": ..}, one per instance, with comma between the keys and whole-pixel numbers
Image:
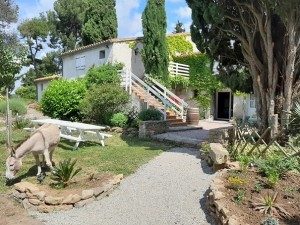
[{"x": 114, "y": 40}]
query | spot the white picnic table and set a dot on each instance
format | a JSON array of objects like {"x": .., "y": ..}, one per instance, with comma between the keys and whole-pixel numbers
[{"x": 76, "y": 131}]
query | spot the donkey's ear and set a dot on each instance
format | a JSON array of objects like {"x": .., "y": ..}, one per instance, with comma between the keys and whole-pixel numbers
[{"x": 11, "y": 150}]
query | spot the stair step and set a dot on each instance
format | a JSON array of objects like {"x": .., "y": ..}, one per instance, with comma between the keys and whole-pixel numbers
[{"x": 179, "y": 124}]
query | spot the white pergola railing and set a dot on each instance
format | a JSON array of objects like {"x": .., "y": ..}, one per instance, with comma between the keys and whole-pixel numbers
[{"x": 178, "y": 69}]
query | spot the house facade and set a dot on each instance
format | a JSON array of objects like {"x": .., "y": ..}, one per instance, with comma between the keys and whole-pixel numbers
[
  {"x": 42, "y": 83},
  {"x": 127, "y": 51},
  {"x": 76, "y": 63}
]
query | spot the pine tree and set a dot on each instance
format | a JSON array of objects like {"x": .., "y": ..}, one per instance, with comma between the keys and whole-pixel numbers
[
  {"x": 100, "y": 21},
  {"x": 178, "y": 28},
  {"x": 155, "y": 51}
]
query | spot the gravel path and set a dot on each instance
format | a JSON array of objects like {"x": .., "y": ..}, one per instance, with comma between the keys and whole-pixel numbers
[{"x": 168, "y": 190}]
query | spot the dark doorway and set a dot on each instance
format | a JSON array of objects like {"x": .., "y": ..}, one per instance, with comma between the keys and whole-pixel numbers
[{"x": 223, "y": 105}]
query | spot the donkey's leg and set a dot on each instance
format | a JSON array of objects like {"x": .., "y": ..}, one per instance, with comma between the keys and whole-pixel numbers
[
  {"x": 51, "y": 151},
  {"x": 47, "y": 158},
  {"x": 37, "y": 162}
]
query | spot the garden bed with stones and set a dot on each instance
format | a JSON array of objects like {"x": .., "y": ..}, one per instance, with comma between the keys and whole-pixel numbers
[
  {"x": 44, "y": 198},
  {"x": 233, "y": 207}
]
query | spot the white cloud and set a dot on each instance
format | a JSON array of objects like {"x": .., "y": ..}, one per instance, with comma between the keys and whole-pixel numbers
[
  {"x": 184, "y": 12},
  {"x": 30, "y": 10},
  {"x": 129, "y": 18}
]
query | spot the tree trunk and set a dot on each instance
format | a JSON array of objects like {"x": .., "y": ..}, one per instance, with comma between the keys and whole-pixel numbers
[
  {"x": 291, "y": 54},
  {"x": 8, "y": 123}
]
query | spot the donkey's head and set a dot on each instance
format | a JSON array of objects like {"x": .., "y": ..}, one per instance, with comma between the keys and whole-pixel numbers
[{"x": 13, "y": 165}]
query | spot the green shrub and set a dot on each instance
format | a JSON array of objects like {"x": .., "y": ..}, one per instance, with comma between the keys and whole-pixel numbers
[
  {"x": 150, "y": 114},
  {"x": 119, "y": 120},
  {"x": 103, "y": 74},
  {"x": 21, "y": 122},
  {"x": 244, "y": 161},
  {"x": 28, "y": 92},
  {"x": 277, "y": 164},
  {"x": 102, "y": 101},
  {"x": 61, "y": 99},
  {"x": 16, "y": 105},
  {"x": 65, "y": 172}
]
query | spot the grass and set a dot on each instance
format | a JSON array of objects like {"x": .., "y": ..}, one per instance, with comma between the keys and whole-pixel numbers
[{"x": 120, "y": 155}]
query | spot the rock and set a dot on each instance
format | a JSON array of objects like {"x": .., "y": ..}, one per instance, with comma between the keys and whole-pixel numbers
[
  {"x": 108, "y": 187},
  {"x": 72, "y": 199},
  {"x": 26, "y": 204},
  {"x": 87, "y": 194},
  {"x": 34, "y": 201},
  {"x": 18, "y": 195},
  {"x": 53, "y": 200},
  {"x": 218, "y": 153},
  {"x": 45, "y": 208},
  {"x": 233, "y": 221},
  {"x": 98, "y": 191},
  {"x": 26, "y": 186},
  {"x": 220, "y": 204},
  {"x": 40, "y": 195},
  {"x": 218, "y": 195},
  {"x": 233, "y": 165},
  {"x": 116, "y": 179},
  {"x": 84, "y": 202}
]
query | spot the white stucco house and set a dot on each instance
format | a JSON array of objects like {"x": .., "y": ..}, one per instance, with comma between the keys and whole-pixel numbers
[
  {"x": 77, "y": 62},
  {"x": 42, "y": 83}
]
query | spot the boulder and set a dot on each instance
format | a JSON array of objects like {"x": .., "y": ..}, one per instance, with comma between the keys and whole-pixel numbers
[
  {"x": 98, "y": 191},
  {"x": 218, "y": 154},
  {"x": 83, "y": 202},
  {"x": 53, "y": 200},
  {"x": 72, "y": 199},
  {"x": 87, "y": 194},
  {"x": 26, "y": 186}
]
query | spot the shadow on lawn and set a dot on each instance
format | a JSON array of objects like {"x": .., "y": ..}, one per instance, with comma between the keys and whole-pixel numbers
[{"x": 32, "y": 171}]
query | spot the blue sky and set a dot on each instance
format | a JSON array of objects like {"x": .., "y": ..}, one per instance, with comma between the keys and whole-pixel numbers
[{"x": 128, "y": 12}]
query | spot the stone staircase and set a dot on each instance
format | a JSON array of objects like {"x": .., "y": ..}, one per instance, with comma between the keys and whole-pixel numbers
[
  {"x": 155, "y": 95},
  {"x": 172, "y": 118}
]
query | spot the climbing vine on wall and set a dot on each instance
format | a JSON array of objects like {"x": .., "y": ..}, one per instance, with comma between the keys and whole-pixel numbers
[
  {"x": 201, "y": 77},
  {"x": 178, "y": 45}
]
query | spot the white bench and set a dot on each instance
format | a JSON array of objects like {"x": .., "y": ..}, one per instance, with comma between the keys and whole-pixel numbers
[{"x": 78, "y": 132}]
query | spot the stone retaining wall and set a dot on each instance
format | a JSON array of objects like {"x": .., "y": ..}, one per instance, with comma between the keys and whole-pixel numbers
[
  {"x": 32, "y": 198},
  {"x": 222, "y": 135},
  {"x": 217, "y": 206},
  {"x": 150, "y": 128}
]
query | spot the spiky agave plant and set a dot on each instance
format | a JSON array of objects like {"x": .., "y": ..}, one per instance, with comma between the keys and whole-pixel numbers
[
  {"x": 268, "y": 205},
  {"x": 64, "y": 172}
]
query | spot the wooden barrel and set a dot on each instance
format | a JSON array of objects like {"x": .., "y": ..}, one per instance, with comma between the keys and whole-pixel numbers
[{"x": 193, "y": 116}]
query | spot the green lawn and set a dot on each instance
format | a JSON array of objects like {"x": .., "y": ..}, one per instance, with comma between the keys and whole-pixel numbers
[{"x": 120, "y": 155}]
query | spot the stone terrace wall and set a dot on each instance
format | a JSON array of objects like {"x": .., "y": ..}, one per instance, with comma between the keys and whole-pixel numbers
[
  {"x": 32, "y": 198},
  {"x": 217, "y": 205},
  {"x": 222, "y": 135},
  {"x": 150, "y": 128}
]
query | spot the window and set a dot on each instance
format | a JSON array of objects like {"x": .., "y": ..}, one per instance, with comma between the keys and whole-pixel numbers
[
  {"x": 80, "y": 63},
  {"x": 102, "y": 54},
  {"x": 42, "y": 87},
  {"x": 252, "y": 101}
]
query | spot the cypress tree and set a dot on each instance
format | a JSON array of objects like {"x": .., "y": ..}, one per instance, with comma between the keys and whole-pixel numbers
[
  {"x": 155, "y": 50},
  {"x": 100, "y": 21}
]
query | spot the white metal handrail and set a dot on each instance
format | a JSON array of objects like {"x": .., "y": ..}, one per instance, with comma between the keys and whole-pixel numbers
[
  {"x": 178, "y": 104},
  {"x": 156, "y": 93},
  {"x": 131, "y": 81}
]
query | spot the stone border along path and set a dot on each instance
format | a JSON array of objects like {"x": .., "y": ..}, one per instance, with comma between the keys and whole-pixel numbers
[{"x": 169, "y": 189}]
